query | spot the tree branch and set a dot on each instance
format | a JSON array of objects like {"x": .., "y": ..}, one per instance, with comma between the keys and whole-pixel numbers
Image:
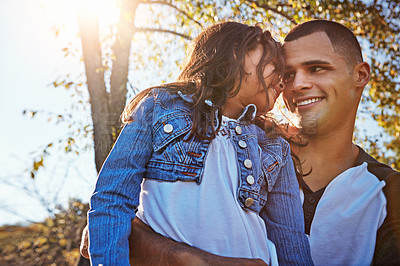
[
  {"x": 174, "y": 7},
  {"x": 164, "y": 31},
  {"x": 14, "y": 212}
]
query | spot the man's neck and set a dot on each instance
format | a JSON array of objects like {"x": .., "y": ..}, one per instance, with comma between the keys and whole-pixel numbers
[{"x": 326, "y": 157}]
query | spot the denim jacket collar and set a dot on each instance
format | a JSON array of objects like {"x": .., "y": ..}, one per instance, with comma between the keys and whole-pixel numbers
[{"x": 248, "y": 114}]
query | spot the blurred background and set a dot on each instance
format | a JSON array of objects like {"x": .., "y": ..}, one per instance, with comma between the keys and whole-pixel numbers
[{"x": 67, "y": 68}]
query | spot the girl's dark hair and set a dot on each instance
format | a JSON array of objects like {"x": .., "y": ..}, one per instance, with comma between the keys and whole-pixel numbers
[{"x": 215, "y": 70}]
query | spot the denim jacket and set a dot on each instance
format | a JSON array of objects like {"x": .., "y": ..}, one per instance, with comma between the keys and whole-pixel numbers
[{"x": 154, "y": 146}]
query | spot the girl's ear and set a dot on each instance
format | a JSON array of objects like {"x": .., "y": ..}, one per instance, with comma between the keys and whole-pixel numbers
[{"x": 362, "y": 74}]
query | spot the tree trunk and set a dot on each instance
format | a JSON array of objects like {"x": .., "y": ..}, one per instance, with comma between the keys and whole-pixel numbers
[
  {"x": 103, "y": 141},
  {"x": 120, "y": 66}
]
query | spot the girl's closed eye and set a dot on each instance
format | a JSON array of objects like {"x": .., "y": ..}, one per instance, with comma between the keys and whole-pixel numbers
[{"x": 288, "y": 77}]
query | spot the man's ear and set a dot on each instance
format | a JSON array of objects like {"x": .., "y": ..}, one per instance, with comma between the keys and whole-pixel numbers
[{"x": 362, "y": 74}]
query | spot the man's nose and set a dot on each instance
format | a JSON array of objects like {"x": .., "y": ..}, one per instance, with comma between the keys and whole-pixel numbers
[{"x": 301, "y": 82}]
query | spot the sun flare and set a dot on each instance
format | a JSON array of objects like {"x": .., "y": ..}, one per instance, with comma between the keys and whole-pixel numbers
[{"x": 106, "y": 10}]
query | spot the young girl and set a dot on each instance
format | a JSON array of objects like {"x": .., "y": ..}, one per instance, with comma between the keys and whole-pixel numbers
[{"x": 206, "y": 174}]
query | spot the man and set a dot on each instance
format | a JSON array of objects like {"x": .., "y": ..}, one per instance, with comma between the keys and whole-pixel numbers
[{"x": 351, "y": 202}]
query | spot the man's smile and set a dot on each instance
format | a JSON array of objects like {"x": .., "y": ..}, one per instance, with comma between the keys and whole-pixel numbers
[{"x": 303, "y": 102}]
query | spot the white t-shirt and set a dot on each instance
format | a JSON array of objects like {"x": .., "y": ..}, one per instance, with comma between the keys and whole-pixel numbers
[
  {"x": 208, "y": 216},
  {"x": 347, "y": 217}
]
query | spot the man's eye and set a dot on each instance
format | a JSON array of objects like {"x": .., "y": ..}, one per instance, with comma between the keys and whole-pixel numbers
[{"x": 316, "y": 68}]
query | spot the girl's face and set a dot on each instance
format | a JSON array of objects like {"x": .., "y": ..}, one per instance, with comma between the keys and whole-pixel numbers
[{"x": 251, "y": 90}]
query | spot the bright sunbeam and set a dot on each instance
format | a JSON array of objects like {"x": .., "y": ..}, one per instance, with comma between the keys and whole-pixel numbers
[
  {"x": 64, "y": 11},
  {"x": 106, "y": 10}
]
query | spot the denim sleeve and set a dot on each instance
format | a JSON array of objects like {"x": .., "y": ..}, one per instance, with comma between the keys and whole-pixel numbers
[
  {"x": 117, "y": 190},
  {"x": 283, "y": 216}
]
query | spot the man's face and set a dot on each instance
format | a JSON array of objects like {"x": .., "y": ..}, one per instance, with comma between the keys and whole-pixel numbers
[{"x": 319, "y": 85}]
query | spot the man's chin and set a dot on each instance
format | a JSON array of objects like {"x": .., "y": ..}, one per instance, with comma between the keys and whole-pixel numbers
[{"x": 307, "y": 122}]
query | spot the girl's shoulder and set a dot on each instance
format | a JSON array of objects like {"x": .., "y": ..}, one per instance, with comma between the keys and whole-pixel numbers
[
  {"x": 168, "y": 98},
  {"x": 160, "y": 104}
]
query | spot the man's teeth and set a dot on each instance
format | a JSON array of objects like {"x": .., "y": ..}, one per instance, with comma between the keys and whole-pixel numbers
[{"x": 308, "y": 101}]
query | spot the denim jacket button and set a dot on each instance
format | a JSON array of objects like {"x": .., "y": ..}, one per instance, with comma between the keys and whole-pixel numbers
[
  {"x": 250, "y": 179},
  {"x": 248, "y": 202},
  {"x": 248, "y": 163},
  {"x": 238, "y": 130},
  {"x": 168, "y": 128},
  {"x": 242, "y": 144}
]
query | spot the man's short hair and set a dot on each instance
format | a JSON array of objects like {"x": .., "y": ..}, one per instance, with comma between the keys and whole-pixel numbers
[{"x": 342, "y": 39}]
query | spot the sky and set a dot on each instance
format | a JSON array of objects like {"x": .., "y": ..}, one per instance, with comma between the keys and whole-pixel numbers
[{"x": 31, "y": 58}]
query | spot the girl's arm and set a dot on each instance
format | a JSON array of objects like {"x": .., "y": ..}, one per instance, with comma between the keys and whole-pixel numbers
[
  {"x": 283, "y": 216},
  {"x": 117, "y": 190}
]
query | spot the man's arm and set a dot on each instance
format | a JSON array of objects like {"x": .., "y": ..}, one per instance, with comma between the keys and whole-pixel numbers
[
  {"x": 387, "y": 250},
  {"x": 149, "y": 248}
]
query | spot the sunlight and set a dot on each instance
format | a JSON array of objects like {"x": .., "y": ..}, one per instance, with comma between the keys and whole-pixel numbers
[
  {"x": 107, "y": 10},
  {"x": 63, "y": 14},
  {"x": 144, "y": 13},
  {"x": 64, "y": 11}
]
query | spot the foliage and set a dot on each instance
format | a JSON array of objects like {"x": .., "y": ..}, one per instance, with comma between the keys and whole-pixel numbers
[{"x": 52, "y": 242}]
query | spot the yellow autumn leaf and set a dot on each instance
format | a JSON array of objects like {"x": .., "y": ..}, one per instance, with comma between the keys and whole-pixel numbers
[
  {"x": 24, "y": 245},
  {"x": 63, "y": 242}
]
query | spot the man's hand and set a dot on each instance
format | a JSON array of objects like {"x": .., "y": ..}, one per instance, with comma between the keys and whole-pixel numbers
[
  {"x": 84, "y": 248},
  {"x": 149, "y": 248}
]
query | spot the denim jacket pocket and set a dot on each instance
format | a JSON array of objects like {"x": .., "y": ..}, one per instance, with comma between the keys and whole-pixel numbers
[
  {"x": 169, "y": 128},
  {"x": 170, "y": 159}
]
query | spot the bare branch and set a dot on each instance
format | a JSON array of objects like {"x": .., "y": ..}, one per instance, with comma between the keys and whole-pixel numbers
[
  {"x": 12, "y": 211},
  {"x": 42, "y": 199},
  {"x": 164, "y": 31},
  {"x": 174, "y": 7},
  {"x": 62, "y": 183}
]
